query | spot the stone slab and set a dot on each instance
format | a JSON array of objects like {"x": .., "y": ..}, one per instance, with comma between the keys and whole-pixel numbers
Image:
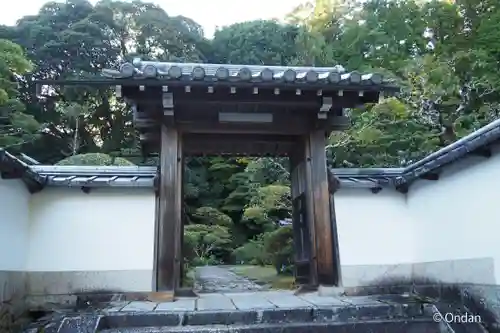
[
  {"x": 251, "y": 301},
  {"x": 317, "y": 300},
  {"x": 330, "y": 291},
  {"x": 125, "y": 320},
  {"x": 290, "y": 315},
  {"x": 220, "y": 317},
  {"x": 360, "y": 300},
  {"x": 139, "y": 306},
  {"x": 115, "y": 306},
  {"x": 213, "y": 302},
  {"x": 188, "y": 304},
  {"x": 283, "y": 300}
]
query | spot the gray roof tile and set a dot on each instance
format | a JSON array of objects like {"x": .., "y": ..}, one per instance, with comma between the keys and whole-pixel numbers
[
  {"x": 238, "y": 73},
  {"x": 98, "y": 176}
]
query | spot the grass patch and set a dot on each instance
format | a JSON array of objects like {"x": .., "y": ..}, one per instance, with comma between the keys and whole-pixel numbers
[
  {"x": 266, "y": 275},
  {"x": 188, "y": 279}
]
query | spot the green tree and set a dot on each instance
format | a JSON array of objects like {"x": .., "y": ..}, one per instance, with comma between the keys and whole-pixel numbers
[
  {"x": 16, "y": 127},
  {"x": 94, "y": 159},
  {"x": 206, "y": 243},
  {"x": 270, "y": 204},
  {"x": 278, "y": 244},
  {"x": 211, "y": 216},
  {"x": 255, "y": 43}
]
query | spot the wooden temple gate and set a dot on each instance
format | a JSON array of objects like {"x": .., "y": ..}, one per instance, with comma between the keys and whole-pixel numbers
[{"x": 183, "y": 109}]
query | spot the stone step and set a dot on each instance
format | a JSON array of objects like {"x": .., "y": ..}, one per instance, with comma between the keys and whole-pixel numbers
[
  {"x": 380, "y": 314},
  {"x": 369, "y": 326},
  {"x": 378, "y": 311}
]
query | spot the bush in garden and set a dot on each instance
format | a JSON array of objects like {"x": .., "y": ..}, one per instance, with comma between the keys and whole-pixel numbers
[
  {"x": 206, "y": 244},
  {"x": 252, "y": 252},
  {"x": 94, "y": 159},
  {"x": 278, "y": 245},
  {"x": 211, "y": 216}
]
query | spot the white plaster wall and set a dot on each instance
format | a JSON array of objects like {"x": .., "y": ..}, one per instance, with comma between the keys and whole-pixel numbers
[
  {"x": 376, "y": 235},
  {"x": 107, "y": 229},
  {"x": 458, "y": 217},
  {"x": 370, "y": 226},
  {"x": 447, "y": 229},
  {"x": 14, "y": 200},
  {"x": 100, "y": 240}
]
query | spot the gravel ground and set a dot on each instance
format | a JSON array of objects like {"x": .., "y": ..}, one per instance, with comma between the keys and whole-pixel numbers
[{"x": 211, "y": 279}]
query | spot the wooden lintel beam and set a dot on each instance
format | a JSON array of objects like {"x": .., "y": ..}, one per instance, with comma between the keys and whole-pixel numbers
[
  {"x": 292, "y": 126},
  {"x": 242, "y": 148},
  {"x": 243, "y": 137},
  {"x": 218, "y": 128},
  {"x": 237, "y": 154},
  {"x": 294, "y": 103},
  {"x": 217, "y": 138}
]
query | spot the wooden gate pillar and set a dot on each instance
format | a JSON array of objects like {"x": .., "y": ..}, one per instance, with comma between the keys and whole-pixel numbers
[
  {"x": 170, "y": 210},
  {"x": 319, "y": 210}
]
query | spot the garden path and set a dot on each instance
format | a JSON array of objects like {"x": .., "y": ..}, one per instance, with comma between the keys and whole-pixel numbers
[{"x": 211, "y": 279}]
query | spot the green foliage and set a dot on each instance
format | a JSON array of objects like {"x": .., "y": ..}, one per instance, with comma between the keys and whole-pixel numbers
[
  {"x": 94, "y": 159},
  {"x": 211, "y": 216},
  {"x": 255, "y": 43},
  {"x": 268, "y": 205},
  {"x": 16, "y": 126},
  {"x": 204, "y": 243},
  {"x": 387, "y": 134},
  {"x": 253, "y": 252},
  {"x": 279, "y": 245},
  {"x": 267, "y": 170}
]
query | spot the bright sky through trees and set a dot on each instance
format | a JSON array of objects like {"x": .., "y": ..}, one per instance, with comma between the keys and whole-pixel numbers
[{"x": 209, "y": 14}]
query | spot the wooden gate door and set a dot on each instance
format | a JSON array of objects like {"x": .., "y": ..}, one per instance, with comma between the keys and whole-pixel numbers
[{"x": 301, "y": 239}]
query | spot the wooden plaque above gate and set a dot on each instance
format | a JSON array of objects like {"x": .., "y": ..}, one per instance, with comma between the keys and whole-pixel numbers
[{"x": 274, "y": 104}]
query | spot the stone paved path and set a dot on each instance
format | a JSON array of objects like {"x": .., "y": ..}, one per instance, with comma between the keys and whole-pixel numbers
[
  {"x": 284, "y": 299},
  {"x": 210, "y": 279}
]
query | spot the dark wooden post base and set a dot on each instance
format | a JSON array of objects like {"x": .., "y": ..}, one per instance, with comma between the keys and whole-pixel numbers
[{"x": 170, "y": 211}]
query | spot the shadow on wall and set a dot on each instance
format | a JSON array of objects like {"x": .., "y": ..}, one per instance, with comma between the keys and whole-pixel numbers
[{"x": 475, "y": 299}]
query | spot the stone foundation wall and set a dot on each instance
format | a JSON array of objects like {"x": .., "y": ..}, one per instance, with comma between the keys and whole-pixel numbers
[
  {"x": 479, "y": 299},
  {"x": 13, "y": 285},
  {"x": 13, "y": 289},
  {"x": 471, "y": 271},
  {"x": 59, "y": 283}
]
